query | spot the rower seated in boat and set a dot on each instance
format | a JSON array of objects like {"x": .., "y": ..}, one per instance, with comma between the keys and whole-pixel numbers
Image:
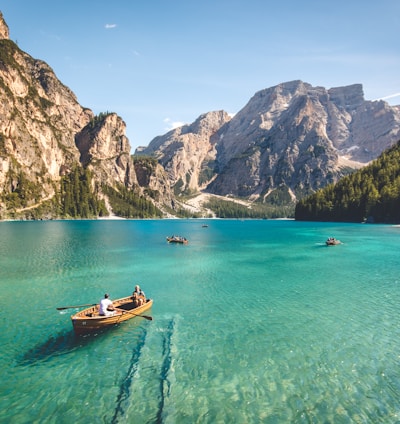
[
  {"x": 135, "y": 300},
  {"x": 106, "y": 307},
  {"x": 138, "y": 296}
]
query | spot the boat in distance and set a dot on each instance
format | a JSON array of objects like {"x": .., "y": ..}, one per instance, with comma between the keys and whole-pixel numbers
[
  {"x": 332, "y": 241},
  {"x": 177, "y": 239},
  {"x": 89, "y": 320}
]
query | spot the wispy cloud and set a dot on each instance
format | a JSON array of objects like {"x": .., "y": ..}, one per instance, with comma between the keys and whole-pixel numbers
[
  {"x": 390, "y": 96},
  {"x": 110, "y": 26},
  {"x": 171, "y": 125}
]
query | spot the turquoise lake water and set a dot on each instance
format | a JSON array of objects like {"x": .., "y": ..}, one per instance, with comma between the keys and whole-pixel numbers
[{"x": 254, "y": 321}]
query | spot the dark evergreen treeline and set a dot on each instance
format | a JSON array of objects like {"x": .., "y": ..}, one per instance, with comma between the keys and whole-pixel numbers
[
  {"x": 128, "y": 204},
  {"x": 77, "y": 197},
  {"x": 228, "y": 209},
  {"x": 99, "y": 119},
  {"x": 371, "y": 194}
]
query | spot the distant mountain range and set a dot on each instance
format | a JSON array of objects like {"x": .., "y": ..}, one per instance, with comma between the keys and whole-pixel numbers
[{"x": 288, "y": 141}]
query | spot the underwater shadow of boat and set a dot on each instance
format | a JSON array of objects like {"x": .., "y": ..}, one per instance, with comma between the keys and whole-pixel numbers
[
  {"x": 68, "y": 341},
  {"x": 61, "y": 344},
  {"x": 58, "y": 345}
]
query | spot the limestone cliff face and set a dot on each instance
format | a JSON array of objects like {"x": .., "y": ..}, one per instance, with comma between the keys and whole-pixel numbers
[
  {"x": 301, "y": 137},
  {"x": 288, "y": 141},
  {"x": 44, "y": 131},
  {"x": 38, "y": 121},
  {"x": 153, "y": 178},
  {"x": 293, "y": 138},
  {"x": 105, "y": 149},
  {"x": 188, "y": 153},
  {"x": 4, "y": 31}
]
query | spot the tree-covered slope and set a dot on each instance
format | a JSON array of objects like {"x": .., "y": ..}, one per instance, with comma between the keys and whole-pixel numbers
[{"x": 372, "y": 194}]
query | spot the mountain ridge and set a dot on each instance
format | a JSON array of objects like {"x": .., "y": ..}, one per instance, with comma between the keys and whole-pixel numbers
[
  {"x": 45, "y": 134},
  {"x": 285, "y": 143},
  {"x": 292, "y": 138}
]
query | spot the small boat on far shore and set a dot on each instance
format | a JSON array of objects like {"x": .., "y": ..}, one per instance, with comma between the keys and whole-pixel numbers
[
  {"x": 177, "y": 239},
  {"x": 332, "y": 241}
]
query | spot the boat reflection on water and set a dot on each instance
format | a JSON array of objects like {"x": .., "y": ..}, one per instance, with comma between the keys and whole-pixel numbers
[{"x": 68, "y": 341}]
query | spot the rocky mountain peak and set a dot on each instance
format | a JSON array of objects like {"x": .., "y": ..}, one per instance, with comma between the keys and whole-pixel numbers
[
  {"x": 4, "y": 31},
  {"x": 104, "y": 148},
  {"x": 209, "y": 123},
  {"x": 348, "y": 98},
  {"x": 45, "y": 134},
  {"x": 186, "y": 152},
  {"x": 286, "y": 142}
]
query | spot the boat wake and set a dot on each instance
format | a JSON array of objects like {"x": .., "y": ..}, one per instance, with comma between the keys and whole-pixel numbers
[
  {"x": 125, "y": 388},
  {"x": 165, "y": 377},
  {"x": 152, "y": 345}
]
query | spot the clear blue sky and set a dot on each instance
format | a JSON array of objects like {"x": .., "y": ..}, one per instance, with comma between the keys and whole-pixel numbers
[{"x": 161, "y": 62}]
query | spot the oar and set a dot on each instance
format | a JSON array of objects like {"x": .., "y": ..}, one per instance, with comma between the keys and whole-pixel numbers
[
  {"x": 136, "y": 315},
  {"x": 75, "y": 306}
]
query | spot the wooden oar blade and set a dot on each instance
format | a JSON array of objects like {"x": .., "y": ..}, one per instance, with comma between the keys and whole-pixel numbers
[
  {"x": 146, "y": 317},
  {"x": 61, "y": 308}
]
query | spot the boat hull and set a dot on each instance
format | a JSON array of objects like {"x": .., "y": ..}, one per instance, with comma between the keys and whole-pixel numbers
[
  {"x": 89, "y": 321},
  {"x": 178, "y": 240},
  {"x": 333, "y": 242}
]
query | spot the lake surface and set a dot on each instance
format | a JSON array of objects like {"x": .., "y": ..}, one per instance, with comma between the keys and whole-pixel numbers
[{"x": 253, "y": 322}]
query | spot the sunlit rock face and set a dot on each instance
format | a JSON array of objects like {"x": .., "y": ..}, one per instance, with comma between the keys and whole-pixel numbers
[
  {"x": 45, "y": 132},
  {"x": 293, "y": 137},
  {"x": 188, "y": 153},
  {"x": 286, "y": 142}
]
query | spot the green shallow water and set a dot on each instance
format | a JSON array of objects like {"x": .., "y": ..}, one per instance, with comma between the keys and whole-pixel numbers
[{"x": 254, "y": 322}]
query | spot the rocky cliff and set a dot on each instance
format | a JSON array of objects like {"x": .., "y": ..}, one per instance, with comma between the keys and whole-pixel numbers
[
  {"x": 45, "y": 133},
  {"x": 288, "y": 141},
  {"x": 188, "y": 153}
]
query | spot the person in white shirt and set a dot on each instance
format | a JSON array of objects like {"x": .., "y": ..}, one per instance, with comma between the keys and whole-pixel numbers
[{"x": 106, "y": 306}]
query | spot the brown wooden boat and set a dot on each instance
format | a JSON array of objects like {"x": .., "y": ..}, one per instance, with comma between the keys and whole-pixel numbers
[
  {"x": 88, "y": 320},
  {"x": 177, "y": 239},
  {"x": 332, "y": 241}
]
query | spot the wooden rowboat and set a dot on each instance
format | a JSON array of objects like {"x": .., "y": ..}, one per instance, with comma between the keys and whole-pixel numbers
[
  {"x": 332, "y": 241},
  {"x": 88, "y": 320},
  {"x": 177, "y": 239}
]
